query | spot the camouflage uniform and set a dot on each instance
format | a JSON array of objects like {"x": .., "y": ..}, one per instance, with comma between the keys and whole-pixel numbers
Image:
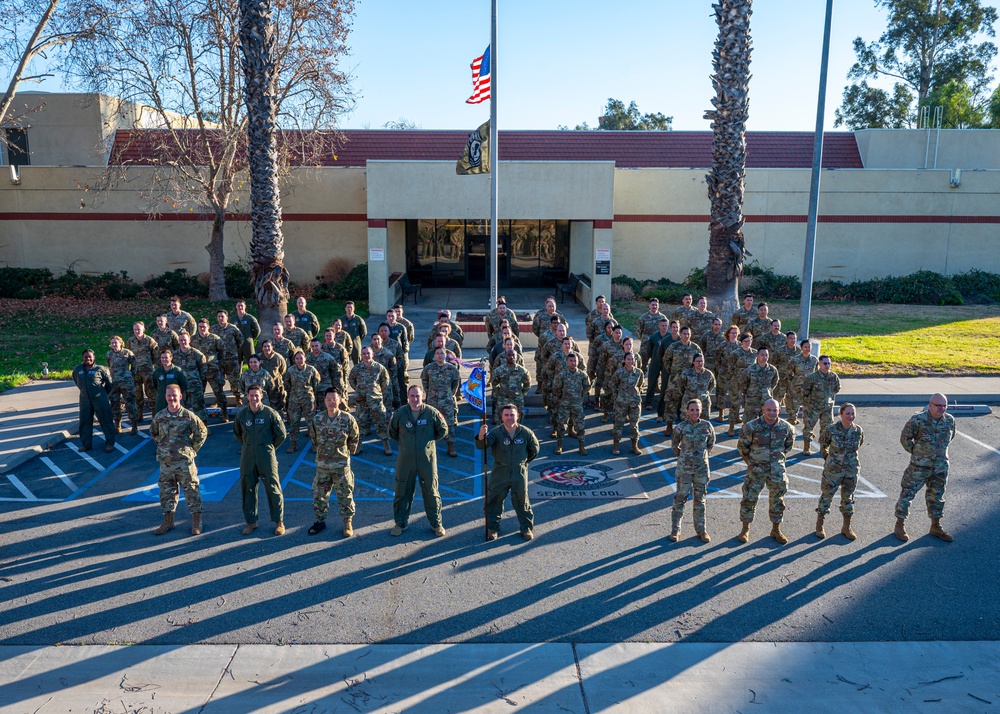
[
  {"x": 742, "y": 317},
  {"x": 165, "y": 338},
  {"x": 511, "y": 385},
  {"x": 819, "y": 391},
  {"x": 783, "y": 360},
  {"x": 276, "y": 366},
  {"x": 229, "y": 357},
  {"x": 369, "y": 382},
  {"x": 329, "y": 374},
  {"x": 626, "y": 385},
  {"x": 284, "y": 347},
  {"x": 840, "y": 446},
  {"x": 147, "y": 356},
  {"x": 684, "y": 315},
  {"x": 494, "y": 322},
  {"x": 758, "y": 327},
  {"x": 647, "y": 326},
  {"x": 543, "y": 321},
  {"x": 710, "y": 343},
  {"x": 195, "y": 368},
  {"x": 605, "y": 372},
  {"x": 724, "y": 376},
  {"x": 335, "y": 439},
  {"x": 701, "y": 324},
  {"x": 122, "y": 365},
  {"x": 451, "y": 350},
  {"x": 307, "y": 322},
  {"x": 183, "y": 320},
  {"x": 555, "y": 366},
  {"x": 569, "y": 389},
  {"x": 774, "y": 343},
  {"x": 298, "y": 337},
  {"x": 300, "y": 386},
  {"x": 357, "y": 330},
  {"x": 763, "y": 446},
  {"x": 387, "y": 358},
  {"x": 596, "y": 335},
  {"x": 693, "y": 384},
  {"x": 262, "y": 377},
  {"x": 342, "y": 362},
  {"x": 178, "y": 438},
  {"x": 739, "y": 360},
  {"x": 757, "y": 386},
  {"x": 926, "y": 440},
  {"x": 692, "y": 442},
  {"x": 662, "y": 377},
  {"x": 211, "y": 346},
  {"x": 676, "y": 359},
  {"x": 441, "y": 384},
  {"x": 802, "y": 367},
  {"x": 349, "y": 344}
]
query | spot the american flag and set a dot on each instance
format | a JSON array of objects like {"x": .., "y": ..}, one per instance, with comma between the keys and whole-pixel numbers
[{"x": 480, "y": 78}]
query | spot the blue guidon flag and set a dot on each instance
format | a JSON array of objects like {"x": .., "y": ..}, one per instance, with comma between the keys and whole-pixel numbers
[{"x": 474, "y": 389}]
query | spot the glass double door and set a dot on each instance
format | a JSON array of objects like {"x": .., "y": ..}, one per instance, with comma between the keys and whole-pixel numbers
[{"x": 477, "y": 261}]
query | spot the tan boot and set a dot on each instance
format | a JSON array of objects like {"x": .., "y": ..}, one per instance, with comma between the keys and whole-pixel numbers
[
  {"x": 348, "y": 527},
  {"x": 167, "y": 525},
  {"x": 675, "y": 534},
  {"x": 279, "y": 528},
  {"x": 732, "y": 430},
  {"x": 118, "y": 426},
  {"x": 846, "y": 529},
  {"x": 135, "y": 429},
  {"x": 744, "y": 535},
  {"x": 805, "y": 447},
  {"x": 554, "y": 434},
  {"x": 196, "y": 524},
  {"x": 635, "y": 446},
  {"x": 668, "y": 430},
  {"x": 820, "y": 533},
  {"x": 558, "y": 446},
  {"x": 386, "y": 448},
  {"x": 293, "y": 447},
  {"x": 583, "y": 449},
  {"x": 615, "y": 450},
  {"x": 451, "y": 449},
  {"x": 900, "y": 530},
  {"x": 777, "y": 534},
  {"x": 937, "y": 530},
  {"x": 704, "y": 537}
]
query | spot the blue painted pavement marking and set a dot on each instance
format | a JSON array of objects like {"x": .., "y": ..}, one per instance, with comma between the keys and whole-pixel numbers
[
  {"x": 215, "y": 483},
  {"x": 109, "y": 469}
]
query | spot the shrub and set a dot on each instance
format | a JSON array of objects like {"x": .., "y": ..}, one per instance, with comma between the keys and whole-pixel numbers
[
  {"x": 92, "y": 287},
  {"x": 334, "y": 271},
  {"x": 634, "y": 285},
  {"x": 354, "y": 286},
  {"x": 621, "y": 293},
  {"x": 921, "y": 288},
  {"x": 176, "y": 282},
  {"x": 695, "y": 281},
  {"x": 978, "y": 286},
  {"x": 15, "y": 280},
  {"x": 764, "y": 282},
  {"x": 239, "y": 280}
]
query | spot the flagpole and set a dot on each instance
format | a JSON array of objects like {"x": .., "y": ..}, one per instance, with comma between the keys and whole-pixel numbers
[
  {"x": 494, "y": 164},
  {"x": 482, "y": 422}
]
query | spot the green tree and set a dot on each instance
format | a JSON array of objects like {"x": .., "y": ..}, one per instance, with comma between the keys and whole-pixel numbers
[
  {"x": 618, "y": 117},
  {"x": 926, "y": 44}
]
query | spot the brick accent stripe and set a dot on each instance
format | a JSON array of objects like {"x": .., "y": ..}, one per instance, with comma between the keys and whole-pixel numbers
[
  {"x": 377, "y": 223},
  {"x": 178, "y": 217},
  {"x": 690, "y": 218}
]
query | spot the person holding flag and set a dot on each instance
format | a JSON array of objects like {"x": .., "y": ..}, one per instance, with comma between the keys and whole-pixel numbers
[{"x": 513, "y": 447}]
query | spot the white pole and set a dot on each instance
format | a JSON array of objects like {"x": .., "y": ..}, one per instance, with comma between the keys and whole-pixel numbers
[{"x": 494, "y": 164}]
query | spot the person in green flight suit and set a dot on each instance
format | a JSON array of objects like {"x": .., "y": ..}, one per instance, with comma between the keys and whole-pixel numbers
[
  {"x": 513, "y": 447},
  {"x": 163, "y": 376},
  {"x": 259, "y": 430}
]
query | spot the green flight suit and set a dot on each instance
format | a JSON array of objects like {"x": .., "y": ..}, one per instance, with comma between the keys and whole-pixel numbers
[
  {"x": 416, "y": 435},
  {"x": 260, "y": 434},
  {"x": 511, "y": 455}
]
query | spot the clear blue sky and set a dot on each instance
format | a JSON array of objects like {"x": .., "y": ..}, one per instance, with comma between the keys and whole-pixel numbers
[{"x": 560, "y": 60}]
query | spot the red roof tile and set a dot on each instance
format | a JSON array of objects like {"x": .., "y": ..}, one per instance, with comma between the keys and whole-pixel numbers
[{"x": 628, "y": 149}]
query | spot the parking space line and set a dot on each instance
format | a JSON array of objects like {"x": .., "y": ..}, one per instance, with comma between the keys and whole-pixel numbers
[
  {"x": 106, "y": 471},
  {"x": 978, "y": 442},
  {"x": 16, "y": 482},
  {"x": 86, "y": 457},
  {"x": 59, "y": 472}
]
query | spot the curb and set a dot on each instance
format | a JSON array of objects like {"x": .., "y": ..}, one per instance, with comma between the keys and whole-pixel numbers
[{"x": 41, "y": 445}]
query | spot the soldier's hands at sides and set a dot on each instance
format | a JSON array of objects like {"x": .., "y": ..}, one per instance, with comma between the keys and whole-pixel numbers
[{"x": 483, "y": 430}]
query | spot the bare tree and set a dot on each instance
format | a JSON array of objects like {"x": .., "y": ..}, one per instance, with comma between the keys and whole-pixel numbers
[
  {"x": 180, "y": 61},
  {"x": 731, "y": 80}
]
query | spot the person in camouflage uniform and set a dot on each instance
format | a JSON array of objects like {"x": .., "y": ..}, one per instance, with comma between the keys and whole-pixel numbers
[
  {"x": 341, "y": 359},
  {"x": 441, "y": 381},
  {"x": 510, "y": 387},
  {"x": 343, "y": 338},
  {"x": 178, "y": 319},
  {"x": 295, "y": 334},
  {"x": 701, "y": 321},
  {"x": 249, "y": 328},
  {"x": 394, "y": 346},
  {"x": 276, "y": 366},
  {"x": 499, "y": 317},
  {"x": 147, "y": 356},
  {"x": 495, "y": 345},
  {"x": 774, "y": 340},
  {"x": 819, "y": 391},
  {"x": 692, "y": 440},
  {"x": 304, "y": 319},
  {"x": 685, "y": 313},
  {"x": 597, "y": 333},
  {"x": 784, "y": 357},
  {"x": 742, "y": 317},
  {"x": 122, "y": 364},
  {"x": 764, "y": 442},
  {"x": 369, "y": 380},
  {"x": 723, "y": 374},
  {"x": 710, "y": 343},
  {"x": 926, "y": 437},
  {"x": 178, "y": 434},
  {"x": 654, "y": 368},
  {"x": 501, "y": 355},
  {"x": 802, "y": 364},
  {"x": 387, "y": 358},
  {"x": 648, "y": 324},
  {"x": 163, "y": 335},
  {"x": 457, "y": 333},
  {"x": 757, "y": 383},
  {"x": 354, "y": 326},
  {"x": 281, "y": 344},
  {"x": 568, "y": 391},
  {"x": 626, "y": 385},
  {"x": 739, "y": 360},
  {"x": 555, "y": 366},
  {"x": 760, "y": 325},
  {"x": 599, "y": 302},
  {"x": 839, "y": 443},
  {"x": 674, "y": 330},
  {"x": 301, "y": 381},
  {"x": 335, "y": 436},
  {"x": 513, "y": 447},
  {"x": 231, "y": 340},
  {"x": 328, "y": 369},
  {"x": 255, "y": 374},
  {"x": 451, "y": 348},
  {"x": 411, "y": 330},
  {"x": 192, "y": 361},
  {"x": 211, "y": 346},
  {"x": 606, "y": 370},
  {"x": 676, "y": 358},
  {"x": 543, "y": 318},
  {"x": 696, "y": 382},
  {"x": 399, "y": 333}
]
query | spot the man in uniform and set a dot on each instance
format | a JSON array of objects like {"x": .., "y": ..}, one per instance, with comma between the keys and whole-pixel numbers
[
  {"x": 94, "y": 382},
  {"x": 250, "y": 329},
  {"x": 301, "y": 381},
  {"x": 411, "y": 330},
  {"x": 803, "y": 364},
  {"x": 626, "y": 386},
  {"x": 513, "y": 447},
  {"x": 211, "y": 346},
  {"x": 606, "y": 371},
  {"x": 701, "y": 320},
  {"x": 784, "y": 359},
  {"x": 259, "y": 431},
  {"x": 369, "y": 380},
  {"x": 335, "y": 437},
  {"x": 692, "y": 440},
  {"x": 568, "y": 390},
  {"x": 660, "y": 344},
  {"x": 598, "y": 310},
  {"x": 926, "y": 437},
  {"x": 341, "y": 358},
  {"x": 441, "y": 382},
  {"x": 304, "y": 319},
  {"x": 742, "y": 317},
  {"x": 147, "y": 356},
  {"x": 757, "y": 383},
  {"x": 178, "y": 434},
  {"x": 596, "y": 331},
  {"x": 396, "y": 347},
  {"x": 231, "y": 340},
  {"x": 676, "y": 358},
  {"x": 255, "y": 374},
  {"x": 121, "y": 364},
  {"x": 739, "y": 360},
  {"x": 355, "y": 326},
  {"x": 276, "y": 366},
  {"x": 166, "y": 374},
  {"x": 710, "y": 343},
  {"x": 774, "y": 339},
  {"x": 499, "y": 317},
  {"x": 192, "y": 361},
  {"x": 416, "y": 427},
  {"x": 697, "y": 383},
  {"x": 819, "y": 391},
  {"x": 398, "y": 332},
  {"x": 295, "y": 334},
  {"x": 281, "y": 344},
  {"x": 685, "y": 313},
  {"x": 543, "y": 318},
  {"x": 178, "y": 319},
  {"x": 387, "y": 358},
  {"x": 839, "y": 444},
  {"x": 764, "y": 442},
  {"x": 328, "y": 369},
  {"x": 760, "y": 325},
  {"x": 163, "y": 335},
  {"x": 648, "y": 323},
  {"x": 510, "y": 386}
]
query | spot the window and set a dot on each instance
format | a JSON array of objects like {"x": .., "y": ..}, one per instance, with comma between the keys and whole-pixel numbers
[{"x": 17, "y": 147}]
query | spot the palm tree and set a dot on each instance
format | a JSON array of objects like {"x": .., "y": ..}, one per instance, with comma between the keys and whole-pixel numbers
[
  {"x": 267, "y": 247},
  {"x": 731, "y": 62}
]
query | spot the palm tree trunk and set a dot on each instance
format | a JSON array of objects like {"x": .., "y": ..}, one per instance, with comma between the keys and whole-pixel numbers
[
  {"x": 731, "y": 63},
  {"x": 267, "y": 247}
]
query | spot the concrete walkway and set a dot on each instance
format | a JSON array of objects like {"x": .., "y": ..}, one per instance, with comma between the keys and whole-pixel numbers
[{"x": 553, "y": 677}]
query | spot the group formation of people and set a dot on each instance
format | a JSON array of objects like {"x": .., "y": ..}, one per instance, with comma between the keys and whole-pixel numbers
[{"x": 343, "y": 389}]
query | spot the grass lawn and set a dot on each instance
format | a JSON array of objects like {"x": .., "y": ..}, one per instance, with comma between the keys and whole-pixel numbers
[
  {"x": 891, "y": 340},
  {"x": 57, "y": 330}
]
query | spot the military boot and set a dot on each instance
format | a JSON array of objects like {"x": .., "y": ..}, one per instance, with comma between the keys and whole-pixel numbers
[
  {"x": 704, "y": 537},
  {"x": 604, "y": 419},
  {"x": 675, "y": 527},
  {"x": 224, "y": 412},
  {"x": 196, "y": 524},
  {"x": 732, "y": 430},
  {"x": 777, "y": 534},
  {"x": 135, "y": 428},
  {"x": 846, "y": 529},
  {"x": 820, "y": 533},
  {"x": 805, "y": 447},
  {"x": 348, "y": 527},
  {"x": 615, "y": 450},
  {"x": 668, "y": 430},
  {"x": 451, "y": 449},
  {"x": 167, "y": 525},
  {"x": 118, "y": 426},
  {"x": 744, "y": 535},
  {"x": 583, "y": 449},
  {"x": 558, "y": 446},
  {"x": 294, "y": 446},
  {"x": 900, "y": 530},
  {"x": 635, "y": 446},
  {"x": 937, "y": 530},
  {"x": 386, "y": 448},
  {"x": 555, "y": 433}
]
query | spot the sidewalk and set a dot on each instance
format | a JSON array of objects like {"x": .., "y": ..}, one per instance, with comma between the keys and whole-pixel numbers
[{"x": 552, "y": 677}]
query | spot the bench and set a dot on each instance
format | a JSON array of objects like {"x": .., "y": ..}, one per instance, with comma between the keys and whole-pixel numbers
[
  {"x": 409, "y": 288},
  {"x": 568, "y": 288}
]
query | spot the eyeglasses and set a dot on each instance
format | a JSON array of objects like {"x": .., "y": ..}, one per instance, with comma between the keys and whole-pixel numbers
[{"x": 939, "y": 406}]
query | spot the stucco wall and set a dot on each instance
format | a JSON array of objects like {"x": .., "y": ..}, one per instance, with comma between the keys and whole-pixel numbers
[{"x": 923, "y": 148}]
